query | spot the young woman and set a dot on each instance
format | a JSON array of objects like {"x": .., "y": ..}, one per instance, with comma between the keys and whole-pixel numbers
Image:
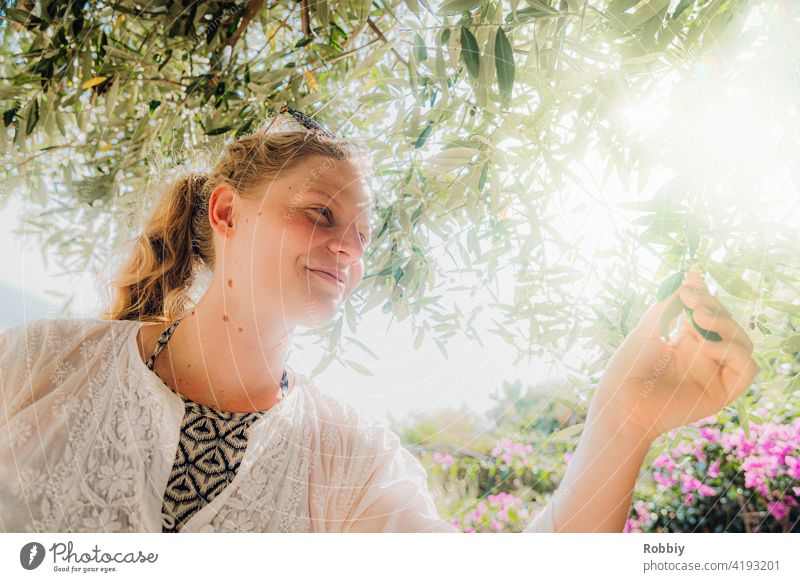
[{"x": 168, "y": 415}]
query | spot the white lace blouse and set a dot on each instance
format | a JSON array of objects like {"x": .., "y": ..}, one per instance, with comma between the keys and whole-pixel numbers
[{"x": 88, "y": 436}]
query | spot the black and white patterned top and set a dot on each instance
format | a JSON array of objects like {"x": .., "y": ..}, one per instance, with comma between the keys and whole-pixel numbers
[{"x": 210, "y": 449}]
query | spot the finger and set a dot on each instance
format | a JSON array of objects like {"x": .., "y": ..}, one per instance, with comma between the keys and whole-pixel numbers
[
  {"x": 731, "y": 355},
  {"x": 738, "y": 370},
  {"x": 694, "y": 296},
  {"x": 727, "y": 328}
]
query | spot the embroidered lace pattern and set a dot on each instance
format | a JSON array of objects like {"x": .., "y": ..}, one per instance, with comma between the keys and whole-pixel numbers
[{"x": 90, "y": 441}]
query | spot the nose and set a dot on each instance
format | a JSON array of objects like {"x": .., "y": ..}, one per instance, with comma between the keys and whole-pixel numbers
[{"x": 348, "y": 241}]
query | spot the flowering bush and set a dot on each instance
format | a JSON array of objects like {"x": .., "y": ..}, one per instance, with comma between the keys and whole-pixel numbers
[
  {"x": 722, "y": 479},
  {"x": 498, "y": 491},
  {"x": 718, "y": 475},
  {"x": 495, "y": 515}
]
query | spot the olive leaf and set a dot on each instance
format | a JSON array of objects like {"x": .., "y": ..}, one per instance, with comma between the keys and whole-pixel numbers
[
  {"x": 470, "y": 53},
  {"x": 669, "y": 285},
  {"x": 709, "y": 335},
  {"x": 504, "y": 63}
]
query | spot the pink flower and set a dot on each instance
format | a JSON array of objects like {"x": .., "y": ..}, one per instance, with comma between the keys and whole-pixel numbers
[
  {"x": 567, "y": 457},
  {"x": 445, "y": 461},
  {"x": 706, "y": 491},
  {"x": 710, "y": 434},
  {"x": 761, "y": 411},
  {"x": 745, "y": 446},
  {"x": 456, "y": 522},
  {"x": 641, "y": 510},
  {"x": 496, "y": 525},
  {"x": 713, "y": 470},
  {"x": 632, "y": 526},
  {"x": 794, "y": 466},
  {"x": 689, "y": 483},
  {"x": 664, "y": 460},
  {"x": 778, "y": 509},
  {"x": 663, "y": 480}
]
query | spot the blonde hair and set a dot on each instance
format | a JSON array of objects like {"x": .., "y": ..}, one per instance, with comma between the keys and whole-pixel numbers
[{"x": 177, "y": 241}]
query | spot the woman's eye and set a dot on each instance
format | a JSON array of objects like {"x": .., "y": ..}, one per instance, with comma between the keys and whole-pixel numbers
[
  {"x": 329, "y": 215},
  {"x": 325, "y": 212}
]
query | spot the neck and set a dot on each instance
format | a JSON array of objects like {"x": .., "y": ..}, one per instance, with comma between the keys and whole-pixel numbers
[{"x": 221, "y": 356}]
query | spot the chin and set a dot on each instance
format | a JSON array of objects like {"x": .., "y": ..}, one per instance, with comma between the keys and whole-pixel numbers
[{"x": 319, "y": 312}]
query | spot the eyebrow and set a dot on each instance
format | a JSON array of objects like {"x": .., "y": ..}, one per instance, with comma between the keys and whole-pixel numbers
[{"x": 326, "y": 193}]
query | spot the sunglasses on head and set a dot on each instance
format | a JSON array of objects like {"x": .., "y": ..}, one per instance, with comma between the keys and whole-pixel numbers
[{"x": 303, "y": 120}]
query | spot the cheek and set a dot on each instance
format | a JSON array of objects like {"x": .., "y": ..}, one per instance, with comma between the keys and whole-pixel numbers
[{"x": 301, "y": 231}]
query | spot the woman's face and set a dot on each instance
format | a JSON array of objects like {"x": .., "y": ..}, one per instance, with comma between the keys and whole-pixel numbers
[{"x": 312, "y": 219}]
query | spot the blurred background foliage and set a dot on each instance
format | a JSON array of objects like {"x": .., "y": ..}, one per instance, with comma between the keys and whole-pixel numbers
[
  {"x": 495, "y": 472},
  {"x": 497, "y": 129}
]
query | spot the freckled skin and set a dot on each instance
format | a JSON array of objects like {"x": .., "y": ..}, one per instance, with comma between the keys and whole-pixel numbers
[
  {"x": 273, "y": 257},
  {"x": 273, "y": 253}
]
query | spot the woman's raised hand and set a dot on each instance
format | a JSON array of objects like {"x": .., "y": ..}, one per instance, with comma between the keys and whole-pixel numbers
[{"x": 657, "y": 386}]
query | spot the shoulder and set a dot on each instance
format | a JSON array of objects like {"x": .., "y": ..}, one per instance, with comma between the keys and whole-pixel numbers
[
  {"x": 343, "y": 428},
  {"x": 40, "y": 356},
  {"x": 51, "y": 337}
]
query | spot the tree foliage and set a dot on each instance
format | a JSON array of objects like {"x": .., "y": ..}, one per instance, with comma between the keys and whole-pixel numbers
[{"x": 480, "y": 115}]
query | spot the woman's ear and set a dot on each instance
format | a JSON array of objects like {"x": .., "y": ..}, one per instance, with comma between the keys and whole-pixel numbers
[{"x": 220, "y": 210}]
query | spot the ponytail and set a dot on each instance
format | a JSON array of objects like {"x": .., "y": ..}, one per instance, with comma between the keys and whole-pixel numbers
[{"x": 154, "y": 284}]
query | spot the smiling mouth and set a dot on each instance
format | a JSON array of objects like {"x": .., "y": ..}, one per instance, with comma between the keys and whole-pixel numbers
[{"x": 326, "y": 277}]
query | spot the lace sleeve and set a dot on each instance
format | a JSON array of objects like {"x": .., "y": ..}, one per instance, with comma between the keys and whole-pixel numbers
[
  {"x": 22, "y": 355},
  {"x": 395, "y": 495}
]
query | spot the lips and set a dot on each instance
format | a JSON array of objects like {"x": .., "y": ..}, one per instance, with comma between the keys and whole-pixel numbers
[{"x": 332, "y": 272}]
